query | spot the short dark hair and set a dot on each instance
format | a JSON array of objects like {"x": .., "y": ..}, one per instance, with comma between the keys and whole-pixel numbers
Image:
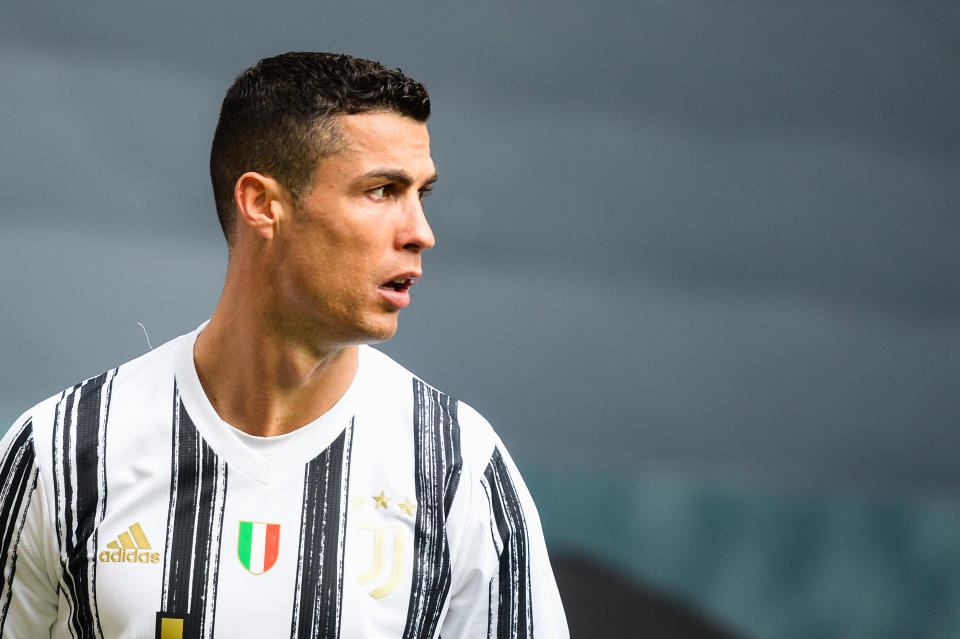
[{"x": 277, "y": 117}]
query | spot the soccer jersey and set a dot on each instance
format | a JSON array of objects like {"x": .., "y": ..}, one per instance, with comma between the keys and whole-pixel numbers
[{"x": 130, "y": 509}]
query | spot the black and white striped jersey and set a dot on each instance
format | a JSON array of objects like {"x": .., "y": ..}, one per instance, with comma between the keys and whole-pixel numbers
[{"x": 130, "y": 509}]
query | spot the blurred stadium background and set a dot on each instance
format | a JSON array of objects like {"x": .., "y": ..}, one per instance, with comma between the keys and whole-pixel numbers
[{"x": 697, "y": 262}]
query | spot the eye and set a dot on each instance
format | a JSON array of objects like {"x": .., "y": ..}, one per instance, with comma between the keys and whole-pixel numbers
[
  {"x": 425, "y": 192},
  {"x": 381, "y": 192}
]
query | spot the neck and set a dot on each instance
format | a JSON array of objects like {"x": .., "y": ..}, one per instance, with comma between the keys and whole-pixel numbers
[{"x": 261, "y": 378}]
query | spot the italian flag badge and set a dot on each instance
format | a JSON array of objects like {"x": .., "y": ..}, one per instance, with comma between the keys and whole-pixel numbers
[{"x": 258, "y": 546}]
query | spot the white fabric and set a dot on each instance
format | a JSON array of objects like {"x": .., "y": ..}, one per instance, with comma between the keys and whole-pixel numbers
[{"x": 265, "y": 483}]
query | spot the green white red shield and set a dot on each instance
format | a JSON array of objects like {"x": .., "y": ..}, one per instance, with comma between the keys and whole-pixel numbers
[{"x": 258, "y": 546}]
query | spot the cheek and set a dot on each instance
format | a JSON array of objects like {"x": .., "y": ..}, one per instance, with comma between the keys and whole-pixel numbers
[{"x": 335, "y": 261}]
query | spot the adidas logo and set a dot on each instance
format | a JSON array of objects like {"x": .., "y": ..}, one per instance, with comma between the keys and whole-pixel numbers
[{"x": 131, "y": 546}]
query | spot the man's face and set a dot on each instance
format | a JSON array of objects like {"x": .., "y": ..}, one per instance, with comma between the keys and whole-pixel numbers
[{"x": 358, "y": 229}]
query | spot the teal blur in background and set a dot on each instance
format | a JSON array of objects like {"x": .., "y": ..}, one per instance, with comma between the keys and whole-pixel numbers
[
  {"x": 696, "y": 263},
  {"x": 767, "y": 561}
]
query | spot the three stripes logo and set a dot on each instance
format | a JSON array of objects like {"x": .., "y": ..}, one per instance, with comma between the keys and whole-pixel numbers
[{"x": 130, "y": 546}]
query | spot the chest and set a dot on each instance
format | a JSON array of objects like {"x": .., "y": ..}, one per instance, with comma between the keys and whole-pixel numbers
[
  {"x": 169, "y": 528},
  {"x": 349, "y": 544}
]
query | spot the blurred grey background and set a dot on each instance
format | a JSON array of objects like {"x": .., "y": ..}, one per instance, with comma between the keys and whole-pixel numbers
[{"x": 696, "y": 261}]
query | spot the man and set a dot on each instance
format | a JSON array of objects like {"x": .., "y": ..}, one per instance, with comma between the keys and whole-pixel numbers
[{"x": 270, "y": 474}]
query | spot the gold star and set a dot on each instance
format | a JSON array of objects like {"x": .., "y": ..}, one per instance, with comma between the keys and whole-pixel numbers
[
  {"x": 357, "y": 502},
  {"x": 407, "y": 507},
  {"x": 381, "y": 500}
]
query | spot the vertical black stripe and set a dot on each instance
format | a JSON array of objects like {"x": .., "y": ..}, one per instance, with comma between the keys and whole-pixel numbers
[
  {"x": 18, "y": 471},
  {"x": 80, "y": 491},
  {"x": 83, "y": 559},
  {"x": 514, "y": 604},
  {"x": 438, "y": 464},
  {"x": 319, "y": 591},
  {"x": 451, "y": 442},
  {"x": 194, "y": 527}
]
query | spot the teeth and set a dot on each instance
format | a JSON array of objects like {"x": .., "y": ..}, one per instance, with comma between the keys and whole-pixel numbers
[{"x": 400, "y": 280}]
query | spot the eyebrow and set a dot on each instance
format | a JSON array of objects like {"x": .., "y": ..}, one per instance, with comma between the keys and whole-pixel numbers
[{"x": 395, "y": 175}]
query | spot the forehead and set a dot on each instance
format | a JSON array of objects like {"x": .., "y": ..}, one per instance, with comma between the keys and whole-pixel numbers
[{"x": 371, "y": 140}]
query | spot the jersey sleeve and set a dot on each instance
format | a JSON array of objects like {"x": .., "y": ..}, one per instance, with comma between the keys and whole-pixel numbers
[
  {"x": 28, "y": 598},
  {"x": 503, "y": 585}
]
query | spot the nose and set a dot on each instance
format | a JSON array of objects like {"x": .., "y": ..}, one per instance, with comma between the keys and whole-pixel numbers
[{"x": 416, "y": 234}]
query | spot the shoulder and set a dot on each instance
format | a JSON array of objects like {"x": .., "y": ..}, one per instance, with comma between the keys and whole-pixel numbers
[
  {"x": 386, "y": 378},
  {"x": 78, "y": 403}
]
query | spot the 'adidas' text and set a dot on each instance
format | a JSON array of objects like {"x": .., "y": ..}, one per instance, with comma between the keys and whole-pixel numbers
[
  {"x": 130, "y": 547},
  {"x": 131, "y": 556}
]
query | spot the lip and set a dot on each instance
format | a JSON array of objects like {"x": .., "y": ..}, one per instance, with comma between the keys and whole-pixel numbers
[
  {"x": 399, "y": 299},
  {"x": 396, "y": 299},
  {"x": 410, "y": 275}
]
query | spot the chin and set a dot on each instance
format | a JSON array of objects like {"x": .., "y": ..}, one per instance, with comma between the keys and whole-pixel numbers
[{"x": 379, "y": 331}]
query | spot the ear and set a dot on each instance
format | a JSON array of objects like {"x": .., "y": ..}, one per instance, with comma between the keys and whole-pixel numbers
[{"x": 262, "y": 203}]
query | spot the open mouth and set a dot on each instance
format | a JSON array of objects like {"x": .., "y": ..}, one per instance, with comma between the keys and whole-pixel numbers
[{"x": 400, "y": 284}]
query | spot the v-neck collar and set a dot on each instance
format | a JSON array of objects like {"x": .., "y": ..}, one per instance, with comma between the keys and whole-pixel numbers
[{"x": 264, "y": 459}]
